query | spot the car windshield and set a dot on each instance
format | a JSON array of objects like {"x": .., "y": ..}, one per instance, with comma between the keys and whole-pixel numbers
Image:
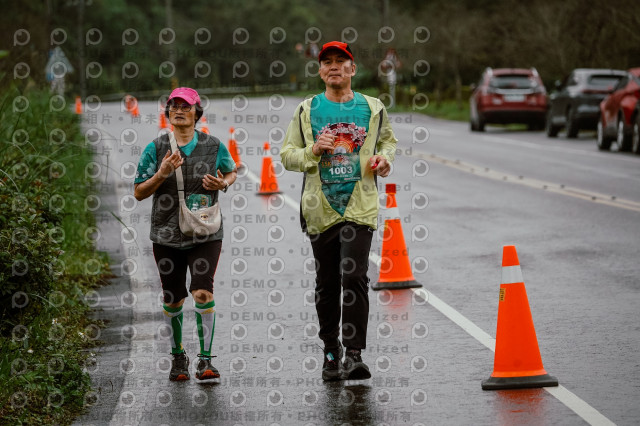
[
  {"x": 512, "y": 82},
  {"x": 604, "y": 80}
]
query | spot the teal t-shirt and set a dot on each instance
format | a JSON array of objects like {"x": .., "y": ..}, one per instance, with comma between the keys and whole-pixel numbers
[
  {"x": 148, "y": 164},
  {"x": 349, "y": 121}
]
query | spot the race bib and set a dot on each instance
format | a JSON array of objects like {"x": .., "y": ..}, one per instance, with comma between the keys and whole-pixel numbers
[{"x": 340, "y": 168}]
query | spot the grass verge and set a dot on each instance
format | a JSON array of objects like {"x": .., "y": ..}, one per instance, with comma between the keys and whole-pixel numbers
[
  {"x": 449, "y": 110},
  {"x": 48, "y": 264}
]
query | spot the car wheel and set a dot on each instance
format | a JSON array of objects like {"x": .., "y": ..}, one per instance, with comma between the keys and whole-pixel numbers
[
  {"x": 572, "y": 125},
  {"x": 472, "y": 125},
  {"x": 622, "y": 139},
  {"x": 481, "y": 123},
  {"x": 635, "y": 135},
  {"x": 552, "y": 131},
  {"x": 604, "y": 143}
]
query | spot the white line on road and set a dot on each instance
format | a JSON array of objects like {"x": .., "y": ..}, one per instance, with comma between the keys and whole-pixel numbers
[
  {"x": 592, "y": 196},
  {"x": 540, "y": 147},
  {"x": 441, "y": 132}
]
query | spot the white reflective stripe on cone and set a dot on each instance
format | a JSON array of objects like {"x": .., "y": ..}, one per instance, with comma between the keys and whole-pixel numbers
[
  {"x": 390, "y": 214},
  {"x": 512, "y": 274}
]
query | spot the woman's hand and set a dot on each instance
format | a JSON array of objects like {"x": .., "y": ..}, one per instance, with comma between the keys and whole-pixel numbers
[
  {"x": 214, "y": 183},
  {"x": 170, "y": 162}
]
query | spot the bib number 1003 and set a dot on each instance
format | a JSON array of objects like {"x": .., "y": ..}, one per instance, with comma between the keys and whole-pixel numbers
[{"x": 340, "y": 170}]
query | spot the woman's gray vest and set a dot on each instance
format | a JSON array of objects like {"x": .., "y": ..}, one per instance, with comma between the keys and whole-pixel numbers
[{"x": 164, "y": 214}]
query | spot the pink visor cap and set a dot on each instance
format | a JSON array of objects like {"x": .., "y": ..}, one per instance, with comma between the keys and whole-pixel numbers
[{"x": 186, "y": 93}]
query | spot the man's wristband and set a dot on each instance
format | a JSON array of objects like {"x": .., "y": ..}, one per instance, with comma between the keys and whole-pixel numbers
[{"x": 226, "y": 186}]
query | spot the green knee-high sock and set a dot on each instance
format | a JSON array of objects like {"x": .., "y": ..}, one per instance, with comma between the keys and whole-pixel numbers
[
  {"x": 173, "y": 317},
  {"x": 206, "y": 319}
]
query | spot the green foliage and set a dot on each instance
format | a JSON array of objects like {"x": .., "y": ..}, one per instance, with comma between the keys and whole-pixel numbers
[
  {"x": 43, "y": 222},
  {"x": 449, "y": 110},
  {"x": 465, "y": 37}
]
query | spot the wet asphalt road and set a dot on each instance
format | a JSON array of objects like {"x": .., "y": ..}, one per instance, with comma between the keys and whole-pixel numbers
[{"x": 473, "y": 193}]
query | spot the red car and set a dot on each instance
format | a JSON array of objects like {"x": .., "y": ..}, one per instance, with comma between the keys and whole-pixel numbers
[
  {"x": 619, "y": 113},
  {"x": 509, "y": 95}
]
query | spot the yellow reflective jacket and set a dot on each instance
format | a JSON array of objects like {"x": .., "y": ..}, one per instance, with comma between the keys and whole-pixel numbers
[{"x": 316, "y": 214}]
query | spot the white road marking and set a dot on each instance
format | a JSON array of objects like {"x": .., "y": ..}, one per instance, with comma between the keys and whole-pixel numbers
[
  {"x": 489, "y": 173},
  {"x": 581, "y": 408},
  {"x": 441, "y": 132},
  {"x": 541, "y": 147}
]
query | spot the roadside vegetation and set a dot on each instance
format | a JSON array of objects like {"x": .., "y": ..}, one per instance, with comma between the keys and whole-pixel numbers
[
  {"x": 443, "y": 46},
  {"x": 48, "y": 263}
]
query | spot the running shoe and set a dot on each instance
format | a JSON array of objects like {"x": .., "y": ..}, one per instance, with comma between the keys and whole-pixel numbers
[
  {"x": 179, "y": 367},
  {"x": 332, "y": 366},
  {"x": 353, "y": 367},
  {"x": 206, "y": 371}
]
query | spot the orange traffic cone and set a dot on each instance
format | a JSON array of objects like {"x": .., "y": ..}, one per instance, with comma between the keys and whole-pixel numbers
[
  {"x": 128, "y": 103},
  {"x": 268, "y": 181},
  {"x": 132, "y": 106},
  {"x": 233, "y": 149},
  {"x": 163, "y": 121},
  {"x": 203, "y": 126},
  {"x": 395, "y": 268},
  {"x": 517, "y": 362},
  {"x": 78, "y": 105}
]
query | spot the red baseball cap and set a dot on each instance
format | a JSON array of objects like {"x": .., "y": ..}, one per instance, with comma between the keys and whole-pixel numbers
[
  {"x": 338, "y": 45},
  {"x": 186, "y": 93}
]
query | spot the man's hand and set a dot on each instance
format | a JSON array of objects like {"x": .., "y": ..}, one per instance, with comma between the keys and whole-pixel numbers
[
  {"x": 324, "y": 143},
  {"x": 380, "y": 165},
  {"x": 213, "y": 183},
  {"x": 170, "y": 162}
]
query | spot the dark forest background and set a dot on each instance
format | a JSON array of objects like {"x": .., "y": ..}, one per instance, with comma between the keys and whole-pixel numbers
[{"x": 457, "y": 39}]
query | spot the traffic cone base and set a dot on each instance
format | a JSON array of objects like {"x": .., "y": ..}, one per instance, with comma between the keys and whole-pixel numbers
[
  {"x": 517, "y": 362},
  {"x": 395, "y": 285},
  {"x": 268, "y": 191},
  {"x": 522, "y": 382}
]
